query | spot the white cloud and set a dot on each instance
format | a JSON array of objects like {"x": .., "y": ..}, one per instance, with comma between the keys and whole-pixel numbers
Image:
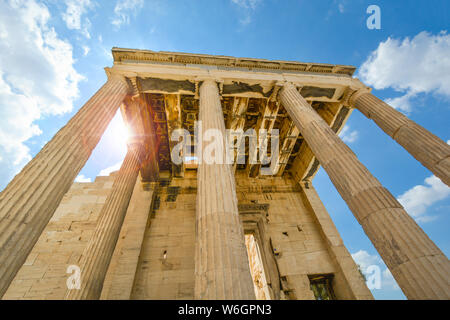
[
  {"x": 341, "y": 5},
  {"x": 365, "y": 260},
  {"x": 410, "y": 66},
  {"x": 419, "y": 198},
  {"x": 37, "y": 79},
  {"x": 247, "y": 7},
  {"x": 86, "y": 50},
  {"x": 107, "y": 171},
  {"x": 247, "y": 4},
  {"x": 123, "y": 10},
  {"x": 245, "y": 20},
  {"x": 402, "y": 103},
  {"x": 73, "y": 15},
  {"x": 82, "y": 178},
  {"x": 347, "y": 135}
]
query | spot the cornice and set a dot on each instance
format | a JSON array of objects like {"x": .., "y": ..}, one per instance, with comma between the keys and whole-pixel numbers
[{"x": 123, "y": 56}]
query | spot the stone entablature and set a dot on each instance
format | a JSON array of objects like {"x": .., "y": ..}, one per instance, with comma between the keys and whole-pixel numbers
[
  {"x": 171, "y": 58},
  {"x": 179, "y": 73}
]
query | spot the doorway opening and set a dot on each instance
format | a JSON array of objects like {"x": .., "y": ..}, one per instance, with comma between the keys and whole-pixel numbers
[
  {"x": 257, "y": 268},
  {"x": 321, "y": 285}
]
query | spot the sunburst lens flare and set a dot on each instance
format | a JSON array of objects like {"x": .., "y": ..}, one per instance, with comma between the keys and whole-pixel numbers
[{"x": 119, "y": 131}]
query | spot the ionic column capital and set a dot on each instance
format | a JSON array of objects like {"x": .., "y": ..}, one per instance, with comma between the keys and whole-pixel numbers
[
  {"x": 280, "y": 86},
  {"x": 116, "y": 76},
  {"x": 134, "y": 88},
  {"x": 351, "y": 94},
  {"x": 208, "y": 79},
  {"x": 286, "y": 84},
  {"x": 211, "y": 83}
]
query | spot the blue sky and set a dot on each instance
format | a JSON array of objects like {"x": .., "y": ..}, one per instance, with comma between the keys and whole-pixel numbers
[{"x": 52, "y": 55}]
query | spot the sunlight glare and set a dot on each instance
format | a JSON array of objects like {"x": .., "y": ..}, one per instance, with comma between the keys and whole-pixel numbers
[{"x": 119, "y": 131}]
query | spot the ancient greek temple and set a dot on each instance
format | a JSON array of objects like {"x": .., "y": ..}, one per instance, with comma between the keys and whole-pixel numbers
[{"x": 157, "y": 229}]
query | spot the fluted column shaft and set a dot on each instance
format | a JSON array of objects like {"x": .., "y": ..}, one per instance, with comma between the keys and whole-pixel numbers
[
  {"x": 97, "y": 255},
  {"x": 31, "y": 198},
  {"x": 221, "y": 264},
  {"x": 417, "y": 264},
  {"x": 119, "y": 280},
  {"x": 428, "y": 149}
]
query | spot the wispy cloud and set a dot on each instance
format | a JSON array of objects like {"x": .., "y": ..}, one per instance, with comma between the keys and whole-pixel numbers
[
  {"x": 421, "y": 197},
  {"x": 247, "y": 4},
  {"x": 82, "y": 178},
  {"x": 107, "y": 171},
  {"x": 124, "y": 9},
  {"x": 74, "y": 13},
  {"x": 86, "y": 50},
  {"x": 347, "y": 135},
  {"x": 402, "y": 103},
  {"x": 247, "y": 7},
  {"x": 410, "y": 66},
  {"x": 338, "y": 6},
  {"x": 365, "y": 260},
  {"x": 341, "y": 5}
]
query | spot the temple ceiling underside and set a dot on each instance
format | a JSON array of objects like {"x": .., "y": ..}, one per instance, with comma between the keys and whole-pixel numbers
[{"x": 166, "y": 112}]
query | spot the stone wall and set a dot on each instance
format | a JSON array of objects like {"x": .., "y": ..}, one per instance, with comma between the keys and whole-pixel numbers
[
  {"x": 299, "y": 238},
  {"x": 43, "y": 276},
  {"x": 166, "y": 264},
  {"x": 294, "y": 233}
]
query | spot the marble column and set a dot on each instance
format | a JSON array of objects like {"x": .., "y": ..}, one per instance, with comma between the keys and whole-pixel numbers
[
  {"x": 96, "y": 257},
  {"x": 31, "y": 198},
  {"x": 417, "y": 264},
  {"x": 119, "y": 280},
  {"x": 428, "y": 149},
  {"x": 221, "y": 263}
]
